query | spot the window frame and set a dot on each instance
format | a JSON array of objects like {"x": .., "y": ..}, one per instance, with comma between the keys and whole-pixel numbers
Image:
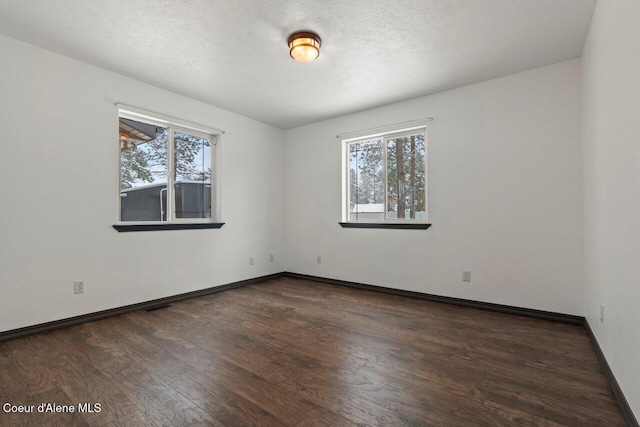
[
  {"x": 173, "y": 125},
  {"x": 385, "y": 136}
]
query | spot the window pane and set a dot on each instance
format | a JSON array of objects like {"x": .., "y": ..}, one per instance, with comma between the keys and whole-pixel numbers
[
  {"x": 143, "y": 171},
  {"x": 366, "y": 181},
  {"x": 192, "y": 176},
  {"x": 406, "y": 177}
]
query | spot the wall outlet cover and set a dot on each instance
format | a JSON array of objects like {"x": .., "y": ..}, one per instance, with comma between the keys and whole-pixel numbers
[{"x": 78, "y": 287}]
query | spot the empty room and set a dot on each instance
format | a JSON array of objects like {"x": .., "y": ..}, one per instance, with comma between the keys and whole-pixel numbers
[{"x": 320, "y": 213}]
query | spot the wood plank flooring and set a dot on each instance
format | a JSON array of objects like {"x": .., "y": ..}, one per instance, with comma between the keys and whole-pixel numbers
[{"x": 300, "y": 353}]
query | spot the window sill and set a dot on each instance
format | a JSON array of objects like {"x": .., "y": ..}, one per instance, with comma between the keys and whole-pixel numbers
[
  {"x": 399, "y": 226},
  {"x": 123, "y": 228}
]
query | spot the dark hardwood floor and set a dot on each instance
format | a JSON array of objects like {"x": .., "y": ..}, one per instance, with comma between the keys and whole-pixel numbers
[{"x": 300, "y": 353}]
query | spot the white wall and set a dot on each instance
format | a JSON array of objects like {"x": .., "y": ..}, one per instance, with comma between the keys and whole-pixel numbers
[
  {"x": 505, "y": 196},
  {"x": 612, "y": 187},
  {"x": 59, "y": 174}
]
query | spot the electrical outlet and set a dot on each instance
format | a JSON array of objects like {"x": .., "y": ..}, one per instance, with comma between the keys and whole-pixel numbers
[
  {"x": 271, "y": 258},
  {"x": 602, "y": 314},
  {"x": 250, "y": 260},
  {"x": 78, "y": 287},
  {"x": 319, "y": 259},
  {"x": 466, "y": 276}
]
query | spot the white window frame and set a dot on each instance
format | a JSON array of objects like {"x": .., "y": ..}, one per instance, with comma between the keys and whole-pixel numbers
[
  {"x": 385, "y": 136},
  {"x": 172, "y": 125}
]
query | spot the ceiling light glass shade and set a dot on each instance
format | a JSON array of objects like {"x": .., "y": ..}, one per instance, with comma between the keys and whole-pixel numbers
[{"x": 304, "y": 47}]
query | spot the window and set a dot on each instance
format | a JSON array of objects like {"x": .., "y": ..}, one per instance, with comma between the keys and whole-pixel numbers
[
  {"x": 167, "y": 172},
  {"x": 386, "y": 179}
]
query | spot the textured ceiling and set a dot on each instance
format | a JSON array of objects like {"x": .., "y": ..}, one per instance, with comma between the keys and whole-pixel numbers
[{"x": 233, "y": 53}]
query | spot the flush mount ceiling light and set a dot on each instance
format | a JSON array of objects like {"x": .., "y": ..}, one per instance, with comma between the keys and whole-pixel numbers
[{"x": 304, "y": 46}]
